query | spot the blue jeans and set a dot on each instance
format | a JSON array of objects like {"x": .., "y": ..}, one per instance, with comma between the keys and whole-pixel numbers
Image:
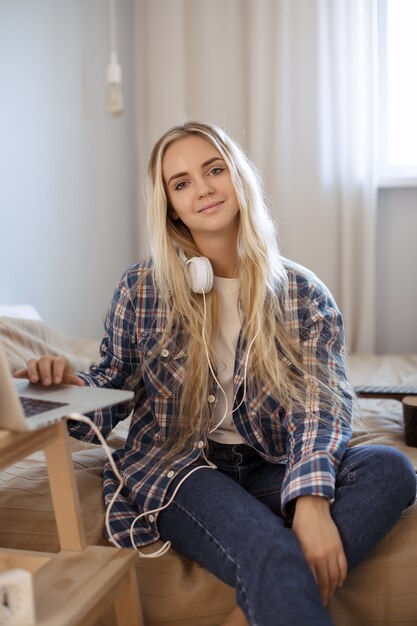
[{"x": 229, "y": 520}]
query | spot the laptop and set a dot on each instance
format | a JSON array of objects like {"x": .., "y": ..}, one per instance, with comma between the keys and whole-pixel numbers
[{"x": 26, "y": 406}]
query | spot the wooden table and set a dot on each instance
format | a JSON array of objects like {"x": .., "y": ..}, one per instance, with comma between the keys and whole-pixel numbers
[{"x": 76, "y": 585}]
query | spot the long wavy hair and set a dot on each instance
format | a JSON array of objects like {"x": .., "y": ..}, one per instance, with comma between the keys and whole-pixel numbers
[{"x": 276, "y": 359}]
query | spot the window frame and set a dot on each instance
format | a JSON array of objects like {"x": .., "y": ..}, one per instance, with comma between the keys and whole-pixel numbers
[{"x": 388, "y": 175}]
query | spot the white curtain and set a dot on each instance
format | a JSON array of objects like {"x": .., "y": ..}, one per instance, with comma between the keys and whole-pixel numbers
[{"x": 294, "y": 81}]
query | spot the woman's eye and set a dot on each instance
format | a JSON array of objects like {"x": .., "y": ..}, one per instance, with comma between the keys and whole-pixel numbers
[
  {"x": 216, "y": 170},
  {"x": 180, "y": 186}
]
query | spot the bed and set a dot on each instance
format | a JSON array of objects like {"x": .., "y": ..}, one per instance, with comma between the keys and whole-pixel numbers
[{"x": 175, "y": 592}]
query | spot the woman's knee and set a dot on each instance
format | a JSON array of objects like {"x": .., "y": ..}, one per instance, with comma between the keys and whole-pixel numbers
[
  {"x": 401, "y": 471},
  {"x": 388, "y": 465}
]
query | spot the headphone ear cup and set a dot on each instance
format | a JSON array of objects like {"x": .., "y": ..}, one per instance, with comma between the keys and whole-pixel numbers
[{"x": 200, "y": 274}]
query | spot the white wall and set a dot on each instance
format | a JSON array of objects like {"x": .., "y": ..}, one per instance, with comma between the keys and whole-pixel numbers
[
  {"x": 177, "y": 58},
  {"x": 396, "y": 312},
  {"x": 68, "y": 173},
  {"x": 67, "y": 169}
]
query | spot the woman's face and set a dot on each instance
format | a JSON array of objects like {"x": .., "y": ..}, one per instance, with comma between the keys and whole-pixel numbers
[{"x": 199, "y": 188}]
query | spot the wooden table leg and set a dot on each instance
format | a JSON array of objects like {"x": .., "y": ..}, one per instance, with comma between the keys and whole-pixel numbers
[
  {"x": 64, "y": 492},
  {"x": 127, "y": 602}
]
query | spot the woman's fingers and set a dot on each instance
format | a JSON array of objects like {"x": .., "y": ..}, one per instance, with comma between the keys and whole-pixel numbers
[
  {"x": 320, "y": 543},
  {"x": 328, "y": 575},
  {"x": 45, "y": 365},
  {"x": 334, "y": 576},
  {"x": 33, "y": 371},
  {"x": 59, "y": 367},
  {"x": 22, "y": 373},
  {"x": 49, "y": 370},
  {"x": 322, "y": 576},
  {"x": 343, "y": 568},
  {"x": 63, "y": 373}
]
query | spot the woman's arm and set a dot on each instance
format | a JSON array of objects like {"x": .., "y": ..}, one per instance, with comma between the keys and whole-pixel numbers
[
  {"x": 319, "y": 431},
  {"x": 118, "y": 367},
  {"x": 318, "y": 434}
]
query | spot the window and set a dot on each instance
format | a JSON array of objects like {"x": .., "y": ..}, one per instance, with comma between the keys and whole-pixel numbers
[{"x": 398, "y": 92}]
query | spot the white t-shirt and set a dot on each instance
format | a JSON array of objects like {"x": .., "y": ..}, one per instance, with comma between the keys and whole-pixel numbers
[{"x": 225, "y": 351}]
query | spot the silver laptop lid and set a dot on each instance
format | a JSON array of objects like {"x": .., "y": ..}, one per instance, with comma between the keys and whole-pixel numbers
[
  {"x": 10, "y": 408},
  {"x": 73, "y": 399}
]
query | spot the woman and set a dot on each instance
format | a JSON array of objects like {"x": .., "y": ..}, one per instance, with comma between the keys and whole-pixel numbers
[{"x": 237, "y": 450}]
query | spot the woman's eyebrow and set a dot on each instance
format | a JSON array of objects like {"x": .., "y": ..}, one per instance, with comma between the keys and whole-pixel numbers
[
  {"x": 203, "y": 165},
  {"x": 209, "y": 161}
]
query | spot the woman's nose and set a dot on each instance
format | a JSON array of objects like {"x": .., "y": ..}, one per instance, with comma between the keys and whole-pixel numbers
[{"x": 205, "y": 188}]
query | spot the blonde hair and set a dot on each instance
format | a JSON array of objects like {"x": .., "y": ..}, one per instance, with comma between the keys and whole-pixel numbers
[{"x": 275, "y": 360}]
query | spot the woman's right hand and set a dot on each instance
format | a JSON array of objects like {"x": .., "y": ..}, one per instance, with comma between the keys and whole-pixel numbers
[{"x": 50, "y": 370}]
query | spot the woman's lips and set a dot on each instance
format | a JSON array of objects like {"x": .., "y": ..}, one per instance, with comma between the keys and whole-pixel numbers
[{"x": 211, "y": 206}]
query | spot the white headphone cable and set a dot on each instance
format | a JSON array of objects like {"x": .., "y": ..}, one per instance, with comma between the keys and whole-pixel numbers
[
  {"x": 245, "y": 371},
  {"x": 166, "y": 546},
  {"x": 211, "y": 367},
  {"x": 86, "y": 420}
]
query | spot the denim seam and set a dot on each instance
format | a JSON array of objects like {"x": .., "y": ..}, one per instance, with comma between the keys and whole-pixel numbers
[
  {"x": 245, "y": 597},
  {"x": 346, "y": 472},
  {"x": 225, "y": 552},
  {"x": 239, "y": 455},
  {"x": 238, "y": 465},
  {"x": 265, "y": 492}
]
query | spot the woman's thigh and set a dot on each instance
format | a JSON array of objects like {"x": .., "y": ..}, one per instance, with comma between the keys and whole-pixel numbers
[
  {"x": 214, "y": 521},
  {"x": 211, "y": 509}
]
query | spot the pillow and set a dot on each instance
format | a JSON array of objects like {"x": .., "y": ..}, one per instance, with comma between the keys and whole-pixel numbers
[
  {"x": 26, "y": 311},
  {"x": 27, "y": 519},
  {"x": 25, "y": 339}
]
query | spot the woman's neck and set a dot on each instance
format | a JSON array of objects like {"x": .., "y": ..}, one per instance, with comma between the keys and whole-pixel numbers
[{"x": 222, "y": 254}]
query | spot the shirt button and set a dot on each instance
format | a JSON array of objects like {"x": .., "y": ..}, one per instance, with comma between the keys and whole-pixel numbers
[
  {"x": 200, "y": 444},
  {"x": 165, "y": 353},
  {"x": 151, "y": 518},
  {"x": 211, "y": 398},
  {"x": 171, "y": 474}
]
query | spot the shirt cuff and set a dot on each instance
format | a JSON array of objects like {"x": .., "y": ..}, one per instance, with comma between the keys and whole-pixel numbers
[{"x": 313, "y": 476}]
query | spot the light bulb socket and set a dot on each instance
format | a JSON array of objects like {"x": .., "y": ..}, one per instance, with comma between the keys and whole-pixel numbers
[{"x": 114, "y": 70}]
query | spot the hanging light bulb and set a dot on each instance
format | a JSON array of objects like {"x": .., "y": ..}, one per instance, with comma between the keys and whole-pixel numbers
[
  {"x": 114, "y": 71},
  {"x": 114, "y": 78}
]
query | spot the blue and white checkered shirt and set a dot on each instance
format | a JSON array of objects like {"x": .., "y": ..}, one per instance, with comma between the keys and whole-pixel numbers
[{"x": 135, "y": 356}]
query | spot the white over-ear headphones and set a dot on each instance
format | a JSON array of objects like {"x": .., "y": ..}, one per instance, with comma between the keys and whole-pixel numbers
[{"x": 200, "y": 272}]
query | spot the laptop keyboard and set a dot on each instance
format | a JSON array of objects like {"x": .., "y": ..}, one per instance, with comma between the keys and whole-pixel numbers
[{"x": 33, "y": 406}]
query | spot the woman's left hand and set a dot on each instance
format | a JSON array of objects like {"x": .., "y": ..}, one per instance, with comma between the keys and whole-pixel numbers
[{"x": 320, "y": 542}]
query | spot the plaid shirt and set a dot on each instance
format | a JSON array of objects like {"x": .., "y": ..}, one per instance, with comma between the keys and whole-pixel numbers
[{"x": 134, "y": 356}]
